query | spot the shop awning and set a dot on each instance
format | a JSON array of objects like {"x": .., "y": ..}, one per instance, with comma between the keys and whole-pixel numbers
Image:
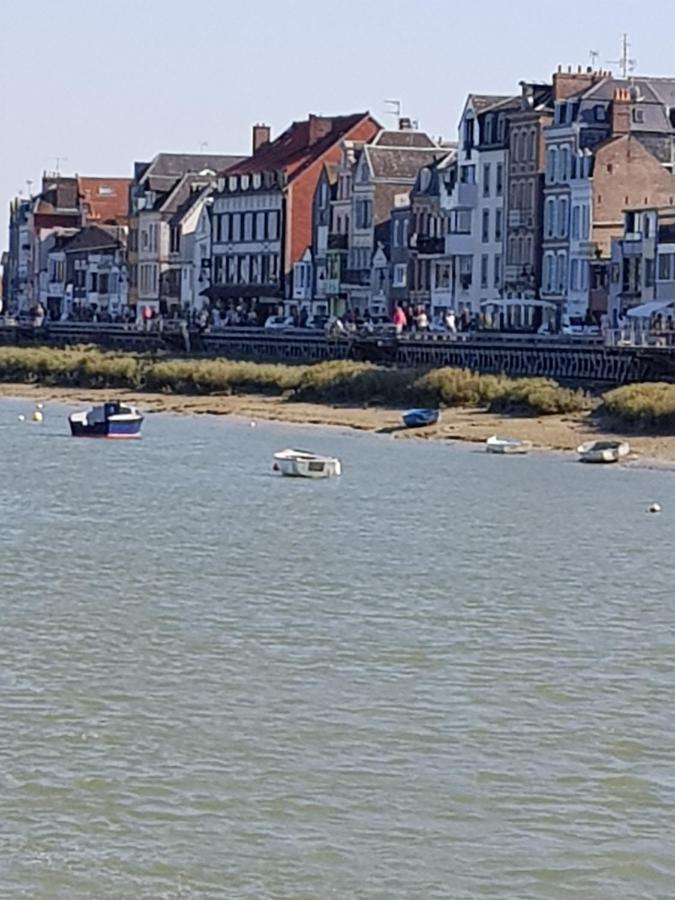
[{"x": 647, "y": 310}]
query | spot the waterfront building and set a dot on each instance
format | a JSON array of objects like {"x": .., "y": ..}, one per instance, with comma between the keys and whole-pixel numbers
[
  {"x": 642, "y": 269},
  {"x": 158, "y": 192},
  {"x": 610, "y": 146},
  {"x": 428, "y": 267},
  {"x": 474, "y": 244},
  {"x": 523, "y": 225},
  {"x": 263, "y": 213},
  {"x": 337, "y": 254},
  {"x": 323, "y": 293},
  {"x": 387, "y": 166}
]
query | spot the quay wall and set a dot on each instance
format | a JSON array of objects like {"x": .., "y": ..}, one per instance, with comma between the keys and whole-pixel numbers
[{"x": 568, "y": 361}]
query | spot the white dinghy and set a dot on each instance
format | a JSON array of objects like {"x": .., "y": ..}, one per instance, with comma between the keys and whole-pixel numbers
[
  {"x": 603, "y": 451},
  {"x": 510, "y": 446},
  {"x": 303, "y": 464}
]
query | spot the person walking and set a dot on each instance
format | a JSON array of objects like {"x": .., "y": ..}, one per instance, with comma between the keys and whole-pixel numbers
[{"x": 400, "y": 320}]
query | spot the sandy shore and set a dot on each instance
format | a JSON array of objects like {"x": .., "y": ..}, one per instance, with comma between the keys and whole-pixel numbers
[{"x": 545, "y": 432}]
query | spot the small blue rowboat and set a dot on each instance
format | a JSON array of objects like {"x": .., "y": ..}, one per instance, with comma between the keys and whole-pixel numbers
[{"x": 418, "y": 418}]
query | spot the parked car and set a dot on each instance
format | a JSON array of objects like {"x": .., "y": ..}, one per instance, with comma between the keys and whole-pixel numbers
[
  {"x": 578, "y": 325},
  {"x": 278, "y": 323}
]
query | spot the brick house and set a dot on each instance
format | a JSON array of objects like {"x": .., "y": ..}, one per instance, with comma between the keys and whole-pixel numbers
[{"x": 263, "y": 211}]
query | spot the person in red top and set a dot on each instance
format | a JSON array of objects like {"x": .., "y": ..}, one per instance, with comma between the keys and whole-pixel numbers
[{"x": 400, "y": 320}]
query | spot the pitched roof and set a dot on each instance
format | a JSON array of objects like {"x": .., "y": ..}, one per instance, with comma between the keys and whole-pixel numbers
[
  {"x": 300, "y": 145},
  {"x": 402, "y": 138},
  {"x": 95, "y": 237},
  {"x": 189, "y": 190},
  {"x": 105, "y": 199},
  {"x": 177, "y": 164},
  {"x": 483, "y": 102},
  {"x": 400, "y": 162}
]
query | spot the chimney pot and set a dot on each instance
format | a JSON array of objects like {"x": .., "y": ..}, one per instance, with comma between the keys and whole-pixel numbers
[{"x": 261, "y": 136}]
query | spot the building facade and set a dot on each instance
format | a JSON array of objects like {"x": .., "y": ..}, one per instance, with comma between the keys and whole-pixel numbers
[{"x": 263, "y": 214}]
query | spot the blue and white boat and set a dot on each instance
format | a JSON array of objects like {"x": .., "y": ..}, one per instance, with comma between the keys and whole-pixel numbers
[
  {"x": 419, "y": 418},
  {"x": 111, "y": 420}
]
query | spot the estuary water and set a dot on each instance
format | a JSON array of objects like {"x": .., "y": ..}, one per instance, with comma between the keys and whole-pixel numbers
[{"x": 445, "y": 675}]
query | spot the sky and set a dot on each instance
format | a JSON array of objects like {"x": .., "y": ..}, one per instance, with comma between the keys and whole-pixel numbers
[{"x": 102, "y": 84}]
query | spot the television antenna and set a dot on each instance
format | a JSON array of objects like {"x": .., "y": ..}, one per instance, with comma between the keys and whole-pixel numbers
[
  {"x": 594, "y": 55},
  {"x": 57, "y": 163},
  {"x": 626, "y": 64},
  {"x": 393, "y": 108},
  {"x": 203, "y": 146}
]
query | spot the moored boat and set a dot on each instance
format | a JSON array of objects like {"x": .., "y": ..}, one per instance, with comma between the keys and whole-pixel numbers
[
  {"x": 110, "y": 420},
  {"x": 509, "y": 446},
  {"x": 603, "y": 451},
  {"x": 303, "y": 464},
  {"x": 419, "y": 418}
]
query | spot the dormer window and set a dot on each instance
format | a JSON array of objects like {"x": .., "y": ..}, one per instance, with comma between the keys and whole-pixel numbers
[
  {"x": 489, "y": 124},
  {"x": 245, "y": 182},
  {"x": 600, "y": 113},
  {"x": 638, "y": 116},
  {"x": 232, "y": 183},
  {"x": 257, "y": 180}
]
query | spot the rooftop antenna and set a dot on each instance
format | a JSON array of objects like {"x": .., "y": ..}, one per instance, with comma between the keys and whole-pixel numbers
[
  {"x": 594, "y": 54},
  {"x": 203, "y": 146},
  {"x": 29, "y": 185},
  {"x": 57, "y": 161},
  {"x": 393, "y": 108},
  {"x": 626, "y": 64}
]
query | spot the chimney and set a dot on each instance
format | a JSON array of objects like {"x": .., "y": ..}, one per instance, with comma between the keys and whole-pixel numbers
[
  {"x": 319, "y": 127},
  {"x": 621, "y": 111},
  {"x": 566, "y": 84},
  {"x": 261, "y": 136}
]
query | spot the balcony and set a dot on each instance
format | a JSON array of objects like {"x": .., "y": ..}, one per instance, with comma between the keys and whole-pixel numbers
[
  {"x": 587, "y": 249},
  {"x": 338, "y": 241},
  {"x": 428, "y": 246},
  {"x": 356, "y": 276}
]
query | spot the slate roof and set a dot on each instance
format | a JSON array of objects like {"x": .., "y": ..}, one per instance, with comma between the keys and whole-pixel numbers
[
  {"x": 403, "y": 138},
  {"x": 184, "y": 196},
  {"x": 177, "y": 164},
  {"x": 300, "y": 145},
  {"x": 400, "y": 162},
  {"x": 483, "y": 102},
  {"x": 95, "y": 237}
]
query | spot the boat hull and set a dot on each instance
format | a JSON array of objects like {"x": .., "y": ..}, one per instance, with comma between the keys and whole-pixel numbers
[
  {"x": 603, "y": 452},
  {"x": 297, "y": 464},
  {"x": 421, "y": 418},
  {"x": 507, "y": 447},
  {"x": 126, "y": 430}
]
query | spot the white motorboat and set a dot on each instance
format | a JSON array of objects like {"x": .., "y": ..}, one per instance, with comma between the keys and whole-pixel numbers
[
  {"x": 303, "y": 464},
  {"x": 603, "y": 451},
  {"x": 511, "y": 446}
]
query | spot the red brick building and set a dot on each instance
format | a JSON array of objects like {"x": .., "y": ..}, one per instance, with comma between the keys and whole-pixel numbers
[{"x": 262, "y": 212}]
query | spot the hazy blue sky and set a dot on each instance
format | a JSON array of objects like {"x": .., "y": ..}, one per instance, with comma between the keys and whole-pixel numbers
[{"x": 104, "y": 83}]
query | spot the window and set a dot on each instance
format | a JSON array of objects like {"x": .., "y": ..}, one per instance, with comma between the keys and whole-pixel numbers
[
  {"x": 665, "y": 266},
  {"x": 459, "y": 221},
  {"x": 649, "y": 273},
  {"x": 489, "y": 129},
  {"x": 551, "y": 165},
  {"x": 549, "y": 272},
  {"x": 274, "y": 267},
  {"x": 230, "y": 269},
  {"x": 248, "y": 226},
  {"x": 499, "y": 179},
  {"x": 236, "y": 227},
  {"x": 561, "y": 273},
  {"x": 93, "y": 282},
  {"x": 145, "y": 241},
  {"x": 218, "y": 269},
  {"x": 484, "y": 261},
  {"x": 486, "y": 226},
  {"x": 498, "y": 224},
  {"x": 532, "y": 146},
  {"x": 550, "y": 217},
  {"x": 260, "y": 221},
  {"x": 467, "y": 174},
  {"x": 174, "y": 239},
  {"x": 600, "y": 113},
  {"x": 574, "y": 275},
  {"x": 400, "y": 275},
  {"x": 273, "y": 225},
  {"x": 563, "y": 214},
  {"x": 563, "y": 164},
  {"x": 585, "y": 221},
  {"x": 396, "y": 236},
  {"x": 528, "y": 250},
  {"x": 498, "y": 272},
  {"x": 501, "y": 128},
  {"x": 323, "y": 195},
  {"x": 576, "y": 222},
  {"x": 103, "y": 283},
  {"x": 466, "y": 272},
  {"x": 638, "y": 115},
  {"x": 486, "y": 180}
]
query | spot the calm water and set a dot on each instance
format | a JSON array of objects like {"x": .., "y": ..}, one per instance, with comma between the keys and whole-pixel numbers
[{"x": 444, "y": 676}]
